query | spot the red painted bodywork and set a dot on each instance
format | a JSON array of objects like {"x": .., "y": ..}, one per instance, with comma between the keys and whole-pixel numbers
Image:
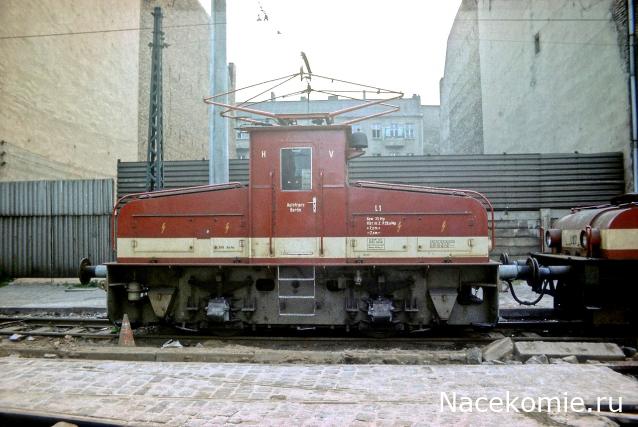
[
  {"x": 608, "y": 217},
  {"x": 262, "y": 209}
]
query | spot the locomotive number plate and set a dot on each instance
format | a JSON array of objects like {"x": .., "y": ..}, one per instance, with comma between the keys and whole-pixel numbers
[{"x": 376, "y": 244}]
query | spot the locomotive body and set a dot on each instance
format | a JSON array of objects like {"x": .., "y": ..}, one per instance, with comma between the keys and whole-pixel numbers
[
  {"x": 605, "y": 232},
  {"x": 599, "y": 244},
  {"x": 587, "y": 265},
  {"x": 301, "y": 246}
]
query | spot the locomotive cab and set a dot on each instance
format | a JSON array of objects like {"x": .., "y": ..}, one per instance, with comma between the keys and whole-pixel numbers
[{"x": 297, "y": 188}]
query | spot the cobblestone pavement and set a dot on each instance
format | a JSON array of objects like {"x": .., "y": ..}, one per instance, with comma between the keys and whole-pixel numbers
[{"x": 197, "y": 394}]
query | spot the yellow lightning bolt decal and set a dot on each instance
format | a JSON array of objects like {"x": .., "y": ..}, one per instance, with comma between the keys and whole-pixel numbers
[
  {"x": 443, "y": 226},
  {"x": 163, "y": 227},
  {"x": 227, "y": 227},
  {"x": 399, "y": 226}
]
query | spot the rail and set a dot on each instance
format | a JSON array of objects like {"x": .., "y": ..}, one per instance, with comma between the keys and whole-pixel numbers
[
  {"x": 435, "y": 190},
  {"x": 515, "y": 323},
  {"x": 81, "y": 327}
]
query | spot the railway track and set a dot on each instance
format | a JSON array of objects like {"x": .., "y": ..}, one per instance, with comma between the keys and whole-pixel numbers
[
  {"x": 518, "y": 326},
  {"x": 57, "y": 327}
]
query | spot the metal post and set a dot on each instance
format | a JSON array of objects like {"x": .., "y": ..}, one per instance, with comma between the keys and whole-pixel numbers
[
  {"x": 631, "y": 22},
  {"x": 218, "y": 129},
  {"x": 155, "y": 149}
]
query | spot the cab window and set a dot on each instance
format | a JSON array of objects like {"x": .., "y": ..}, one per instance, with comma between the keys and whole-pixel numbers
[{"x": 296, "y": 169}]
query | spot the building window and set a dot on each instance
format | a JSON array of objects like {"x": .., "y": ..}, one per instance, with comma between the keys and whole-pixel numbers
[
  {"x": 376, "y": 131},
  {"x": 409, "y": 131},
  {"x": 296, "y": 169},
  {"x": 241, "y": 134},
  {"x": 393, "y": 131},
  {"x": 537, "y": 43}
]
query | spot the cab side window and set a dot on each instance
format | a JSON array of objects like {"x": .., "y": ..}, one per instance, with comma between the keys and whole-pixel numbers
[{"x": 296, "y": 169}]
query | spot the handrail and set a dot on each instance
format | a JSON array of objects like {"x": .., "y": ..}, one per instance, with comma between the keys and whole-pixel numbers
[
  {"x": 606, "y": 205},
  {"x": 160, "y": 193},
  {"x": 435, "y": 190}
]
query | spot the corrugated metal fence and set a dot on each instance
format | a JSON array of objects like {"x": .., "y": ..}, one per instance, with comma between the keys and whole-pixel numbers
[
  {"x": 46, "y": 227},
  {"x": 131, "y": 176},
  {"x": 510, "y": 181}
]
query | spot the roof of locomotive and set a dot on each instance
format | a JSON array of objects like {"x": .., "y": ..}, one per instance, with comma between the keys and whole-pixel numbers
[{"x": 620, "y": 201}]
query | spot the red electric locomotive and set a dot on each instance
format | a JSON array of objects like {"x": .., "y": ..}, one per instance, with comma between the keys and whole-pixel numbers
[{"x": 301, "y": 246}]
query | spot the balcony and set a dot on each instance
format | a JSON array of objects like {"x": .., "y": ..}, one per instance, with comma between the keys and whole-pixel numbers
[
  {"x": 394, "y": 143},
  {"x": 242, "y": 144}
]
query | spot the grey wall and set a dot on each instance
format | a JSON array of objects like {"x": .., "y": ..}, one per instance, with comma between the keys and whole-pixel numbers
[
  {"x": 518, "y": 232},
  {"x": 431, "y": 129},
  {"x": 72, "y": 105},
  {"x": 48, "y": 226},
  {"x": 69, "y": 105},
  {"x": 565, "y": 93},
  {"x": 186, "y": 63},
  {"x": 569, "y": 96},
  {"x": 461, "y": 108}
]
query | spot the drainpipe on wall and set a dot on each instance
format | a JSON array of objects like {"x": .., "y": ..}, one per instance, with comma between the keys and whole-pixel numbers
[{"x": 631, "y": 20}]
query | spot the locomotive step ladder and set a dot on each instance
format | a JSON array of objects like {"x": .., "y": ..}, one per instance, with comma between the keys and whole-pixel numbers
[{"x": 296, "y": 290}]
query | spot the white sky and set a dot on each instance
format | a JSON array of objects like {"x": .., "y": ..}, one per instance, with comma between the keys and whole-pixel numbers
[{"x": 398, "y": 45}]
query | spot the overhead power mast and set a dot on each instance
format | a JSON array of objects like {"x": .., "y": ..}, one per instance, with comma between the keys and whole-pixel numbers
[{"x": 155, "y": 149}]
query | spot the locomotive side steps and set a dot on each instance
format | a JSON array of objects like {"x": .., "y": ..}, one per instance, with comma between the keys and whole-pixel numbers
[{"x": 296, "y": 290}]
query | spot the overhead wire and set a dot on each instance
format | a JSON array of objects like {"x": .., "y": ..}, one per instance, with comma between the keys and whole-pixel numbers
[
  {"x": 207, "y": 24},
  {"x": 112, "y": 30}
]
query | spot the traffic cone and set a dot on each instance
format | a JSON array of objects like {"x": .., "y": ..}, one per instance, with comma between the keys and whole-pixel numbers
[{"x": 126, "y": 333}]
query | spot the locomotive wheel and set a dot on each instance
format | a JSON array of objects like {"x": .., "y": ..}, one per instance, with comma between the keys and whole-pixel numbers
[
  {"x": 116, "y": 306},
  {"x": 112, "y": 308}
]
